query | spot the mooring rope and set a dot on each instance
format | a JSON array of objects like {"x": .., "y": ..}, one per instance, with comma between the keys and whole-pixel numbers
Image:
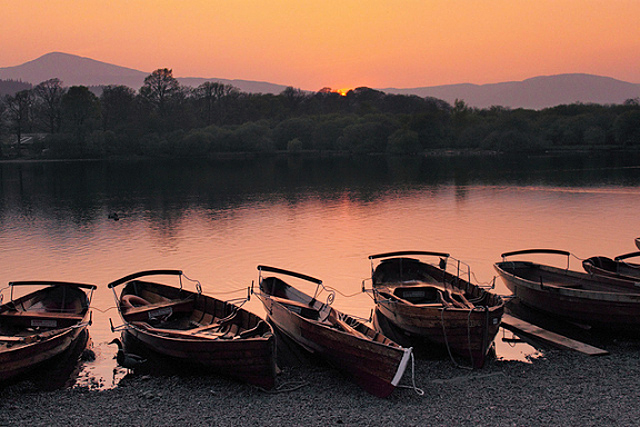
[
  {"x": 481, "y": 308},
  {"x": 1, "y": 294},
  {"x": 281, "y": 389},
  {"x": 491, "y": 284},
  {"x": 446, "y": 342},
  {"x": 91, "y": 307},
  {"x": 343, "y": 294},
  {"x": 418, "y": 390},
  {"x": 197, "y": 282}
]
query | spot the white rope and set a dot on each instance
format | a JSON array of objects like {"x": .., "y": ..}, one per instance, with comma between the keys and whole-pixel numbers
[{"x": 418, "y": 390}]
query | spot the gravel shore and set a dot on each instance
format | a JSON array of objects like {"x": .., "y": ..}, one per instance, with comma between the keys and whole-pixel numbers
[{"x": 561, "y": 388}]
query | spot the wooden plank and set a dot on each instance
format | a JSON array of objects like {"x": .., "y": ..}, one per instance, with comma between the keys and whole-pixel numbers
[
  {"x": 157, "y": 309},
  {"x": 522, "y": 327}
]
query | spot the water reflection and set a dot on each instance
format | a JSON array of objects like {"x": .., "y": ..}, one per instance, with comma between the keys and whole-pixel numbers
[
  {"x": 218, "y": 220},
  {"x": 83, "y": 191}
]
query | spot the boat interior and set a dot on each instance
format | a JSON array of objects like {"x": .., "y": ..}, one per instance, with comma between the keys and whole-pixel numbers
[
  {"x": 312, "y": 309},
  {"x": 167, "y": 311},
  {"x": 298, "y": 302},
  {"x": 49, "y": 308},
  {"x": 418, "y": 283}
]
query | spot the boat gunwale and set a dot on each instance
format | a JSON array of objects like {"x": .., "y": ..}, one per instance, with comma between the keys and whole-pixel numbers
[{"x": 578, "y": 293}]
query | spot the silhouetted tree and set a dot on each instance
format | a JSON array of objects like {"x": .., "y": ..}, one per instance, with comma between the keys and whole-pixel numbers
[
  {"x": 160, "y": 90},
  {"x": 292, "y": 99},
  {"x": 404, "y": 141},
  {"x": 363, "y": 100},
  {"x": 3, "y": 110},
  {"x": 81, "y": 110},
  {"x": 252, "y": 137},
  {"x": 116, "y": 103},
  {"x": 19, "y": 109},
  {"x": 48, "y": 98},
  {"x": 627, "y": 127},
  {"x": 300, "y": 128},
  {"x": 210, "y": 98},
  {"x": 329, "y": 129},
  {"x": 370, "y": 135}
]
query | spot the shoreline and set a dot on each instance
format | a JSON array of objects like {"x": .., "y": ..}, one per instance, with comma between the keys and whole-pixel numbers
[
  {"x": 560, "y": 388},
  {"x": 434, "y": 153}
]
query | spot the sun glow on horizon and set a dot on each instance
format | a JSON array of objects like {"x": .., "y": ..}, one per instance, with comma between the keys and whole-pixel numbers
[{"x": 378, "y": 44}]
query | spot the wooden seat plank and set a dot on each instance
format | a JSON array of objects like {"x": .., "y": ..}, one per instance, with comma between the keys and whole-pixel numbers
[{"x": 158, "y": 309}]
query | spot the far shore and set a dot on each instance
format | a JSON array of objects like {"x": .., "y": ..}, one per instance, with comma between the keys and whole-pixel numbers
[{"x": 444, "y": 152}]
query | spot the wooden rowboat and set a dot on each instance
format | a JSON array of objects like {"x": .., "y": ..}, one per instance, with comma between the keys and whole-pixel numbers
[
  {"x": 369, "y": 358},
  {"x": 425, "y": 304},
  {"x": 599, "y": 301},
  {"x": 41, "y": 324},
  {"x": 617, "y": 267},
  {"x": 195, "y": 330}
]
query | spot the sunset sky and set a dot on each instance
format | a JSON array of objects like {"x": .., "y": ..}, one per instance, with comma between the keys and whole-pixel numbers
[{"x": 335, "y": 43}]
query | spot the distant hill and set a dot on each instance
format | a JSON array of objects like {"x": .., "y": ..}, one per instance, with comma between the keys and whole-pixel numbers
[
  {"x": 535, "y": 93},
  {"x": 76, "y": 70},
  {"x": 73, "y": 70}
]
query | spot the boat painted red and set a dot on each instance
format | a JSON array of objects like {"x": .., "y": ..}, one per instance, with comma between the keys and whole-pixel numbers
[{"x": 370, "y": 359}]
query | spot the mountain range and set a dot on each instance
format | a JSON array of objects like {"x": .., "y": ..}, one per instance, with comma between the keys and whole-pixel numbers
[
  {"x": 76, "y": 70},
  {"x": 535, "y": 93}
]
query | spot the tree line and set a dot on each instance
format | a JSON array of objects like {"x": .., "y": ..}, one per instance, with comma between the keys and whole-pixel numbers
[{"x": 169, "y": 120}]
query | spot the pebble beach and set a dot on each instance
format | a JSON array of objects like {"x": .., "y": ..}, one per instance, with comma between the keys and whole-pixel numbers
[{"x": 561, "y": 388}]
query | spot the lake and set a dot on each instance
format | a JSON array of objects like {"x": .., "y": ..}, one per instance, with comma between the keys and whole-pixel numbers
[{"x": 217, "y": 221}]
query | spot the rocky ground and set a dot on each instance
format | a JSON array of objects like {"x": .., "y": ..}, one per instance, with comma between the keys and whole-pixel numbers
[{"x": 561, "y": 388}]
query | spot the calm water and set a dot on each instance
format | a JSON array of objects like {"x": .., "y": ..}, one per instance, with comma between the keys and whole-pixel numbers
[{"x": 322, "y": 217}]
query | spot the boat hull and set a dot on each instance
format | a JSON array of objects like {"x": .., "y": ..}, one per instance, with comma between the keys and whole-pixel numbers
[
  {"x": 186, "y": 337},
  {"x": 250, "y": 361},
  {"x": 603, "y": 266},
  {"x": 373, "y": 366},
  {"x": 370, "y": 359},
  {"x": 466, "y": 333},
  {"x": 23, "y": 358},
  {"x": 41, "y": 325},
  {"x": 408, "y": 294},
  {"x": 601, "y": 302}
]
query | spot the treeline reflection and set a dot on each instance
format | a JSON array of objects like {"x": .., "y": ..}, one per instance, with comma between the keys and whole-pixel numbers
[{"x": 84, "y": 191}]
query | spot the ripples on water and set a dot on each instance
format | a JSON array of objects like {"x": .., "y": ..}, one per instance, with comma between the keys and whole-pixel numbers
[{"x": 217, "y": 222}]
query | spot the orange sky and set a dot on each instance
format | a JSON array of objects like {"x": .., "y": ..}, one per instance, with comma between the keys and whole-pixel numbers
[{"x": 335, "y": 43}]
